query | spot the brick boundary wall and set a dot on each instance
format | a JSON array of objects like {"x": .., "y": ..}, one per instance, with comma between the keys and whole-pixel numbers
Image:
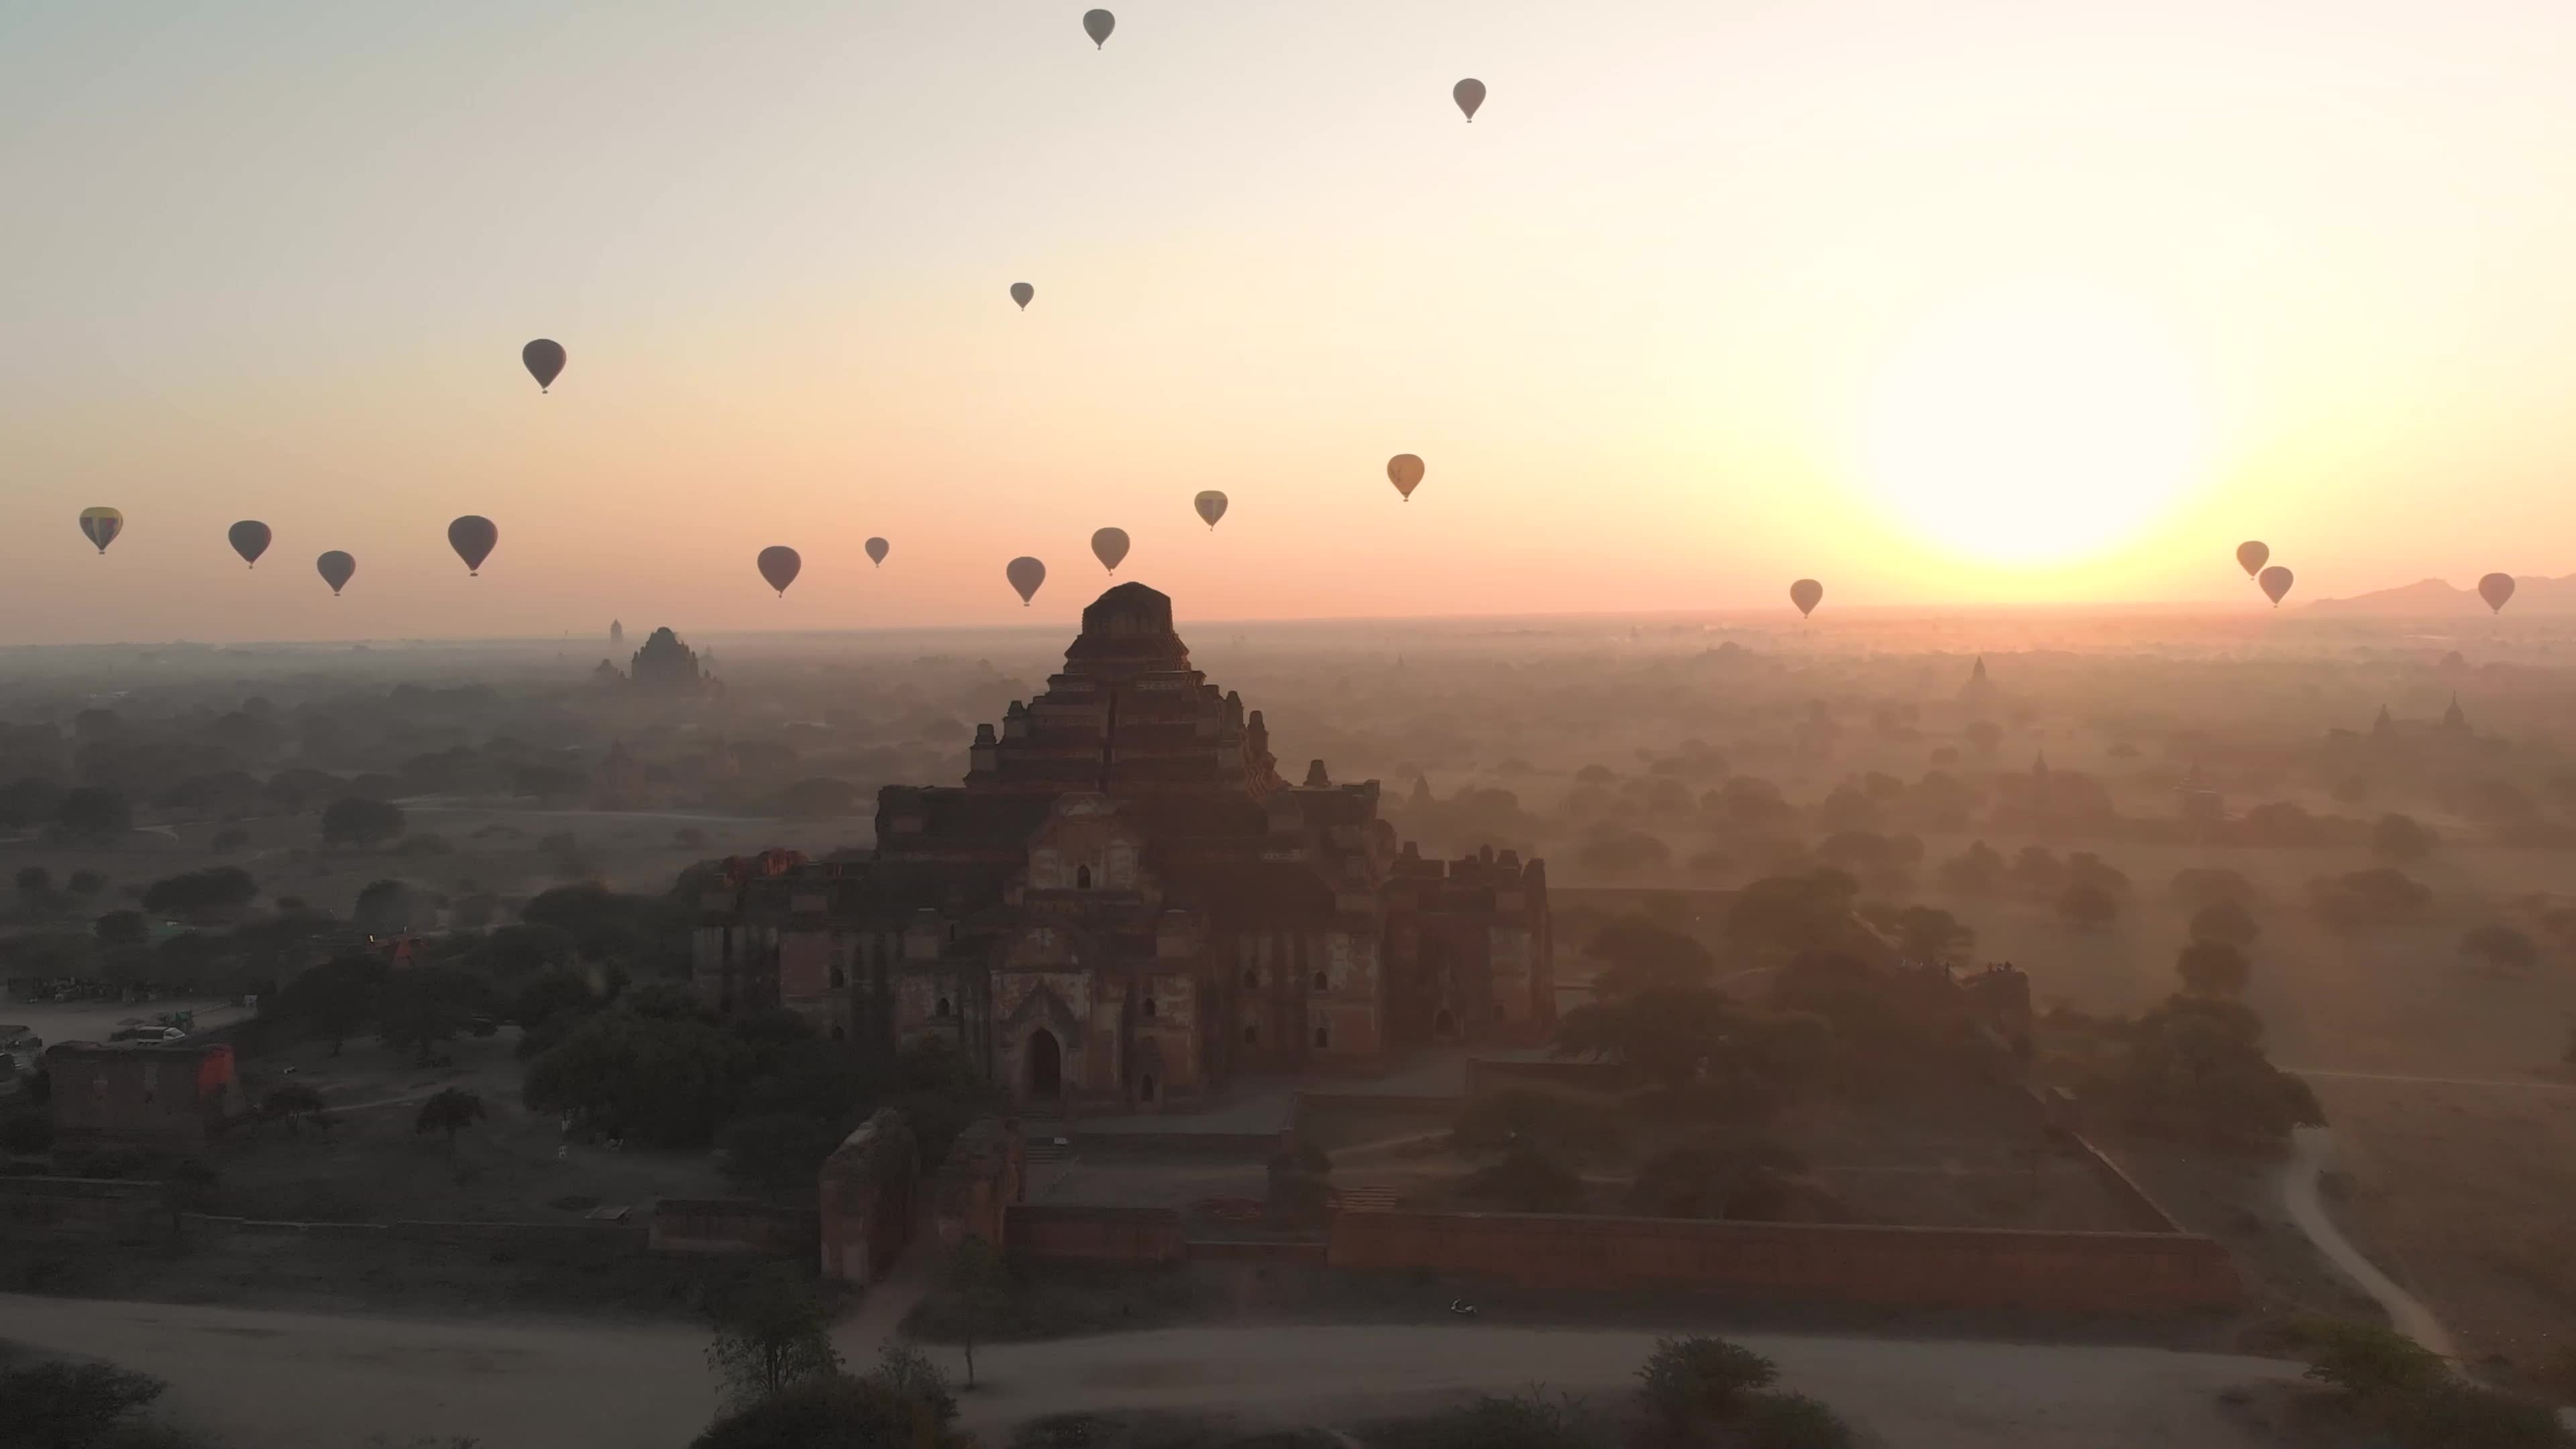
[
  {"x": 1043, "y": 1233},
  {"x": 732, "y": 1225},
  {"x": 83, "y": 1209},
  {"x": 1973, "y": 1268}
]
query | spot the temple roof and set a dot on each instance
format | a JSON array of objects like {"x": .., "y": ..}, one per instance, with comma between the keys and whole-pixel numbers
[{"x": 1127, "y": 630}]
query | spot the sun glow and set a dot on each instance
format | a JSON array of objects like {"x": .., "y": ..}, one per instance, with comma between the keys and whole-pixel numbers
[{"x": 2035, "y": 429}]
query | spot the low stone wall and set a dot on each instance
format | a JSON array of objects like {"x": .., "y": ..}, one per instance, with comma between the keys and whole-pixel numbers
[
  {"x": 731, "y": 1225},
  {"x": 1290, "y": 1252},
  {"x": 88, "y": 1210},
  {"x": 1047, "y": 1234},
  {"x": 584, "y": 1236},
  {"x": 1882, "y": 1266}
]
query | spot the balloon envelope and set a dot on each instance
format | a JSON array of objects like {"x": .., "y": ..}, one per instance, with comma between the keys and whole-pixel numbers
[
  {"x": 878, "y": 548},
  {"x": 101, "y": 526},
  {"x": 1469, "y": 94},
  {"x": 249, "y": 539},
  {"x": 545, "y": 360},
  {"x": 1109, "y": 545},
  {"x": 1023, "y": 293},
  {"x": 1025, "y": 575},
  {"x": 2276, "y": 584},
  {"x": 1211, "y": 506},
  {"x": 779, "y": 565},
  {"x": 2251, "y": 555},
  {"x": 2496, "y": 589},
  {"x": 472, "y": 537},
  {"x": 1404, "y": 471},
  {"x": 336, "y": 568},
  {"x": 1097, "y": 24},
  {"x": 1806, "y": 594}
]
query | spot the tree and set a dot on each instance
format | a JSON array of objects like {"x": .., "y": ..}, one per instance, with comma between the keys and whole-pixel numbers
[
  {"x": 835, "y": 1411},
  {"x": 979, "y": 1284},
  {"x": 1697, "y": 1381},
  {"x": 1636, "y": 953},
  {"x": 1793, "y": 1421},
  {"x": 94, "y": 811},
  {"x": 2198, "y": 886},
  {"x": 123, "y": 930},
  {"x": 209, "y": 895},
  {"x": 2213, "y": 968},
  {"x": 427, "y": 1005},
  {"x": 769, "y": 1334},
  {"x": 2088, "y": 903},
  {"x": 2500, "y": 947},
  {"x": 450, "y": 1112},
  {"x": 777, "y": 1152},
  {"x": 355, "y": 820},
  {"x": 2038, "y": 873},
  {"x": 2194, "y": 1069},
  {"x": 1525, "y": 1181},
  {"x": 648, "y": 1079},
  {"x": 384, "y": 908},
  {"x": 337, "y": 998},
  {"x": 72, "y": 1406},
  {"x": 1926, "y": 933},
  {"x": 1712, "y": 1181},
  {"x": 2225, "y": 923},
  {"x": 2401, "y": 839},
  {"x": 85, "y": 883},
  {"x": 291, "y": 1104},
  {"x": 35, "y": 887},
  {"x": 2367, "y": 899}
]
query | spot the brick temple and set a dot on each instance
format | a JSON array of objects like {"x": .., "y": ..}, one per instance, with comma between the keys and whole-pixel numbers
[{"x": 1124, "y": 906}]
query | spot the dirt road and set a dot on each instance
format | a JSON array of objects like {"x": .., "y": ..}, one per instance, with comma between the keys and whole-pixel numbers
[
  {"x": 2310, "y": 1147},
  {"x": 321, "y": 1381}
]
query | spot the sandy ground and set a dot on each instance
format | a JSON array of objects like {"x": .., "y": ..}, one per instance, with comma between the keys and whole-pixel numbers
[{"x": 316, "y": 1381}]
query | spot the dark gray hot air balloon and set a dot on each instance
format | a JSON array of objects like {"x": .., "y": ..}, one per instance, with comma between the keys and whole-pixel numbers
[
  {"x": 1470, "y": 96},
  {"x": 336, "y": 569},
  {"x": 1211, "y": 506},
  {"x": 1806, "y": 594},
  {"x": 780, "y": 565},
  {"x": 1023, "y": 293},
  {"x": 2496, "y": 589},
  {"x": 878, "y": 548},
  {"x": 545, "y": 360},
  {"x": 1109, "y": 545},
  {"x": 2276, "y": 584},
  {"x": 1097, "y": 24},
  {"x": 249, "y": 539},
  {"x": 101, "y": 525},
  {"x": 1026, "y": 573},
  {"x": 473, "y": 537},
  {"x": 2251, "y": 555}
]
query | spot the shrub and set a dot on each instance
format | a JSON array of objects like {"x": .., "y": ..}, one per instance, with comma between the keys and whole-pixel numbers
[
  {"x": 1793, "y": 1421},
  {"x": 1526, "y": 1181},
  {"x": 1689, "y": 1380},
  {"x": 72, "y": 1406},
  {"x": 26, "y": 1130},
  {"x": 2365, "y": 1359}
]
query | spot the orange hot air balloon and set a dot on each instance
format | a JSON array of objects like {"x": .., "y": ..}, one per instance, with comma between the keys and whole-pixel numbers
[
  {"x": 336, "y": 569},
  {"x": 1025, "y": 575},
  {"x": 780, "y": 565},
  {"x": 545, "y": 361},
  {"x": 1470, "y": 95},
  {"x": 1806, "y": 594},
  {"x": 2276, "y": 584},
  {"x": 1211, "y": 506},
  {"x": 249, "y": 538},
  {"x": 1404, "y": 471},
  {"x": 1023, "y": 293},
  {"x": 472, "y": 537},
  {"x": 2497, "y": 590},
  {"x": 1109, "y": 546},
  {"x": 2251, "y": 555},
  {"x": 1097, "y": 24},
  {"x": 878, "y": 548},
  {"x": 101, "y": 526}
]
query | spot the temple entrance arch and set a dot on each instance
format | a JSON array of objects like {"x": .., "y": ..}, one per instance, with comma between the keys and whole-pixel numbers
[{"x": 1046, "y": 1066}]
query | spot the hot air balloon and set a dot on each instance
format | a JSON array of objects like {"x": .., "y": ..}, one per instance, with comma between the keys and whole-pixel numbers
[
  {"x": 2252, "y": 555},
  {"x": 1404, "y": 471},
  {"x": 1097, "y": 24},
  {"x": 2496, "y": 589},
  {"x": 1109, "y": 545},
  {"x": 545, "y": 360},
  {"x": 101, "y": 526},
  {"x": 472, "y": 537},
  {"x": 878, "y": 548},
  {"x": 1023, "y": 293},
  {"x": 1211, "y": 506},
  {"x": 779, "y": 565},
  {"x": 1806, "y": 594},
  {"x": 1469, "y": 94},
  {"x": 2276, "y": 584},
  {"x": 1026, "y": 573},
  {"x": 249, "y": 539},
  {"x": 335, "y": 568}
]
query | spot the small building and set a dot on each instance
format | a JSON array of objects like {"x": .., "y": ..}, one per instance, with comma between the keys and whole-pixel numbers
[{"x": 173, "y": 1095}]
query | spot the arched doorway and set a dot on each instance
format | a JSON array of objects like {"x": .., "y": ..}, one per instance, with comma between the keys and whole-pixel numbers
[
  {"x": 1046, "y": 1066},
  {"x": 1145, "y": 1088}
]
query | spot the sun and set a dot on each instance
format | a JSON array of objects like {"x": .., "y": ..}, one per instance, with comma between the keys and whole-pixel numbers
[{"x": 2034, "y": 428}]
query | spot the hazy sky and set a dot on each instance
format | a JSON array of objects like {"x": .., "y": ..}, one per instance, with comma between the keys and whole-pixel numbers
[{"x": 1996, "y": 300}]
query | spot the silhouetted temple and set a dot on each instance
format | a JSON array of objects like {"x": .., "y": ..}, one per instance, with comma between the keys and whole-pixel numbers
[
  {"x": 667, "y": 665},
  {"x": 1125, "y": 906}
]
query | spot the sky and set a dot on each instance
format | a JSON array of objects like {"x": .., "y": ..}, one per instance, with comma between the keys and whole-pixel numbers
[{"x": 1991, "y": 302}]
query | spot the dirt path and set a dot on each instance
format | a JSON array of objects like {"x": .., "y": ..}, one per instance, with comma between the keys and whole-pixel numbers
[
  {"x": 323, "y": 1381},
  {"x": 2506, "y": 1082},
  {"x": 2310, "y": 1146}
]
